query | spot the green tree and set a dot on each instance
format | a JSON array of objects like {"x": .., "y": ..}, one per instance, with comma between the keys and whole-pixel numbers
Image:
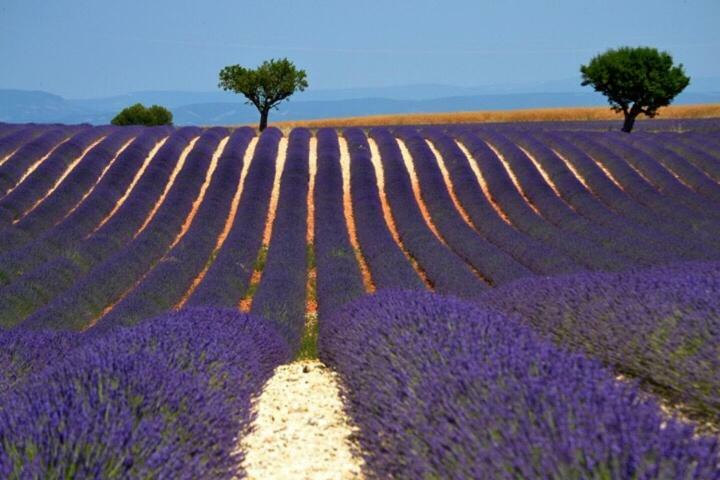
[
  {"x": 635, "y": 80},
  {"x": 138, "y": 114},
  {"x": 266, "y": 86}
]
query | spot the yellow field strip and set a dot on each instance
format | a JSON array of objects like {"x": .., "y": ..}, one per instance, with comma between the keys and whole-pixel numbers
[{"x": 565, "y": 114}]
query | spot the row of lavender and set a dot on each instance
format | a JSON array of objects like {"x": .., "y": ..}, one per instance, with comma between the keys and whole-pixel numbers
[
  {"x": 171, "y": 397},
  {"x": 445, "y": 389},
  {"x": 47, "y": 267},
  {"x": 592, "y": 218},
  {"x": 441, "y": 388},
  {"x": 167, "y": 399},
  {"x": 658, "y": 325},
  {"x": 550, "y": 222},
  {"x": 438, "y": 387}
]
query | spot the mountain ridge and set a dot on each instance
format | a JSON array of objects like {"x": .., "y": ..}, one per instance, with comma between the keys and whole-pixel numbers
[{"x": 218, "y": 107}]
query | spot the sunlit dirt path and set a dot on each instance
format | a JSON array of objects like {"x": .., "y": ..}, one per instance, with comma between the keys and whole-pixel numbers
[
  {"x": 301, "y": 431},
  {"x": 376, "y": 161},
  {"x": 246, "y": 302}
]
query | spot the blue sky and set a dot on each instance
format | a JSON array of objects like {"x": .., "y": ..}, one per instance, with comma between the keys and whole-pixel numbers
[{"x": 88, "y": 48}]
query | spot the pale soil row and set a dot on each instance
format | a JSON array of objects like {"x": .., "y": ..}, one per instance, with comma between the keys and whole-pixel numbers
[
  {"x": 387, "y": 212},
  {"x": 673, "y": 410},
  {"x": 62, "y": 177},
  {"x": 574, "y": 170},
  {"x": 680, "y": 179},
  {"x": 605, "y": 171},
  {"x": 131, "y": 187},
  {"x": 185, "y": 226},
  {"x": 35, "y": 165},
  {"x": 301, "y": 430},
  {"x": 9, "y": 155},
  {"x": 513, "y": 178},
  {"x": 203, "y": 189},
  {"x": 417, "y": 193},
  {"x": 482, "y": 182},
  {"x": 246, "y": 303},
  {"x": 247, "y": 160},
  {"x": 275, "y": 194},
  {"x": 312, "y": 173},
  {"x": 545, "y": 176},
  {"x": 669, "y": 169},
  {"x": 176, "y": 171},
  {"x": 102, "y": 174},
  {"x": 635, "y": 169},
  {"x": 449, "y": 185},
  {"x": 350, "y": 219},
  {"x": 662, "y": 167},
  {"x": 415, "y": 184},
  {"x": 311, "y": 297}
]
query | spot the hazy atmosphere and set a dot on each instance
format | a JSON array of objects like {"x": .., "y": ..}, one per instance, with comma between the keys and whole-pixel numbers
[
  {"x": 471, "y": 51},
  {"x": 87, "y": 48}
]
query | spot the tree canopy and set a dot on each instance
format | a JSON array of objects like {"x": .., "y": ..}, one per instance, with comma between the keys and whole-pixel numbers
[
  {"x": 635, "y": 80},
  {"x": 265, "y": 86},
  {"x": 138, "y": 114}
]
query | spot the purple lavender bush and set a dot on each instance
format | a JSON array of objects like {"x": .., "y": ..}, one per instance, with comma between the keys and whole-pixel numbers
[
  {"x": 228, "y": 278},
  {"x": 23, "y": 353},
  {"x": 660, "y": 325},
  {"x": 338, "y": 274},
  {"x": 36, "y": 287},
  {"x": 441, "y": 388},
  {"x": 446, "y": 271},
  {"x": 41, "y": 180},
  {"x": 280, "y": 295},
  {"x": 387, "y": 262},
  {"x": 166, "y": 399},
  {"x": 29, "y": 153}
]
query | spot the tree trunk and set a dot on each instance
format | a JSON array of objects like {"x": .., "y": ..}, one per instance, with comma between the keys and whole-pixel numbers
[
  {"x": 629, "y": 122},
  {"x": 263, "y": 119}
]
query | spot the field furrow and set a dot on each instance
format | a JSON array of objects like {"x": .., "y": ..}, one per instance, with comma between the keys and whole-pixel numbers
[
  {"x": 227, "y": 281},
  {"x": 42, "y": 284},
  {"x": 64, "y": 196},
  {"x": 446, "y": 271},
  {"x": 29, "y": 157},
  {"x": 281, "y": 293},
  {"x": 163, "y": 287},
  {"x": 390, "y": 264},
  {"x": 105, "y": 284},
  {"x": 492, "y": 263},
  {"x": 88, "y": 216}
]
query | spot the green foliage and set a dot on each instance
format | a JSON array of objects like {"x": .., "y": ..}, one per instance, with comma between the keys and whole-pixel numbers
[
  {"x": 308, "y": 343},
  {"x": 635, "y": 80},
  {"x": 138, "y": 114},
  {"x": 266, "y": 86}
]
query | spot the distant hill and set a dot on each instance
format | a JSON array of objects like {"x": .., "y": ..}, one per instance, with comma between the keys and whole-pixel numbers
[{"x": 217, "y": 108}]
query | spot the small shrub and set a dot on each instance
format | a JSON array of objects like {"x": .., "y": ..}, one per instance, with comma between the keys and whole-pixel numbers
[{"x": 138, "y": 114}]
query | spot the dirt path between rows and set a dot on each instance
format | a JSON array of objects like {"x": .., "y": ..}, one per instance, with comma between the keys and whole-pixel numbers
[{"x": 301, "y": 431}]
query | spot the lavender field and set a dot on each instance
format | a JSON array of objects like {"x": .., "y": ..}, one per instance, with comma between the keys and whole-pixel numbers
[{"x": 526, "y": 300}]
